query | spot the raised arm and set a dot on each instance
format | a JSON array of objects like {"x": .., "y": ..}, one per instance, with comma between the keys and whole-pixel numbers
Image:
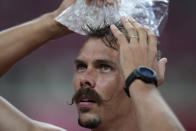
[
  {"x": 19, "y": 41},
  {"x": 152, "y": 112}
]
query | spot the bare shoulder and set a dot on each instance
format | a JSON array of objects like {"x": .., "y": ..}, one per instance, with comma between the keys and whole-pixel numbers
[{"x": 41, "y": 126}]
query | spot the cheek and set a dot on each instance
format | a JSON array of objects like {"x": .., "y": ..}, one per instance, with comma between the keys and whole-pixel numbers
[
  {"x": 76, "y": 82},
  {"x": 108, "y": 85}
]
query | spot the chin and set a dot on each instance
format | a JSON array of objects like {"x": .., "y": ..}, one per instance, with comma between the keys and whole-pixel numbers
[{"x": 89, "y": 120}]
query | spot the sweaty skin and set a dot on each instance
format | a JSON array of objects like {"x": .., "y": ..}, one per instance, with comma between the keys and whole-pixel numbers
[
  {"x": 16, "y": 43},
  {"x": 105, "y": 71},
  {"x": 101, "y": 71},
  {"x": 30, "y": 36},
  {"x": 152, "y": 112}
]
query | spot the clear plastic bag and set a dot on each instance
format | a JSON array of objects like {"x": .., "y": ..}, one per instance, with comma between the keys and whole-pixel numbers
[{"x": 152, "y": 13}]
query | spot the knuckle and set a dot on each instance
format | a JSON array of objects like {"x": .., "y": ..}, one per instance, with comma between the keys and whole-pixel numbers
[
  {"x": 151, "y": 34},
  {"x": 153, "y": 37},
  {"x": 147, "y": 28},
  {"x": 140, "y": 28},
  {"x": 154, "y": 52},
  {"x": 136, "y": 24},
  {"x": 131, "y": 29},
  {"x": 144, "y": 46},
  {"x": 120, "y": 35},
  {"x": 115, "y": 29}
]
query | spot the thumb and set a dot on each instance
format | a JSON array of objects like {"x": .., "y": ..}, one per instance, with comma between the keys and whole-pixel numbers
[{"x": 161, "y": 67}]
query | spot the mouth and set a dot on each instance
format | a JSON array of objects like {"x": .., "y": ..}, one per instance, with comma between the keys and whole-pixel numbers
[{"x": 86, "y": 102}]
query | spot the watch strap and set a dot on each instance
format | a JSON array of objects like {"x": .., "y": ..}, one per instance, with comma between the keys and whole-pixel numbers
[
  {"x": 128, "y": 81},
  {"x": 136, "y": 75}
]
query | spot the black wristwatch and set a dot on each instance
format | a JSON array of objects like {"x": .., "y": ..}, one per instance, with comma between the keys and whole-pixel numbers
[{"x": 145, "y": 74}]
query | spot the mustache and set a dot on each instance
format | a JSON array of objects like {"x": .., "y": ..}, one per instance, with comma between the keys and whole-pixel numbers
[{"x": 88, "y": 92}]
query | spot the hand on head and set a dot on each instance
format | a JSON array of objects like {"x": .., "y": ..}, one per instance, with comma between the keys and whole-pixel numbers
[{"x": 140, "y": 50}]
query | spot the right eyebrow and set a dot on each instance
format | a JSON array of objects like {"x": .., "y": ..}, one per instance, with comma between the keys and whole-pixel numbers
[{"x": 78, "y": 61}]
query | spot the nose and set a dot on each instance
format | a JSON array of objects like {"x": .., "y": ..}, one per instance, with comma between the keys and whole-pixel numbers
[{"x": 87, "y": 82}]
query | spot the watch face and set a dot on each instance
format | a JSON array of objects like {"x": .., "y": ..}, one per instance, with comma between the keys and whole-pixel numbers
[{"x": 146, "y": 72}]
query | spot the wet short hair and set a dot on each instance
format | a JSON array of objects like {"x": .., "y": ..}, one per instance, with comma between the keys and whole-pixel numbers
[{"x": 104, "y": 32}]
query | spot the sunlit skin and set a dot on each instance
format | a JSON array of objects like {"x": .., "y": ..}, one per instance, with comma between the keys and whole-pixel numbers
[{"x": 99, "y": 66}]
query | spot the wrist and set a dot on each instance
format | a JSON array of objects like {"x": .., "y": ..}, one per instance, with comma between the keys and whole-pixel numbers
[
  {"x": 141, "y": 85},
  {"x": 138, "y": 86},
  {"x": 141, "y": 90},
  {"x": 145, "y": 74},
  {"x": 55, "y": 29}
]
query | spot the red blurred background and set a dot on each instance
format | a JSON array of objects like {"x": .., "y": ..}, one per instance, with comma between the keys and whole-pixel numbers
[{"x": 41, "y": 84}]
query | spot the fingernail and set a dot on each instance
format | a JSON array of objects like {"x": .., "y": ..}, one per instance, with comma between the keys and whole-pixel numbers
[
  {"x": 112, "y": 26},
  {"x": 131, "y": 19}
]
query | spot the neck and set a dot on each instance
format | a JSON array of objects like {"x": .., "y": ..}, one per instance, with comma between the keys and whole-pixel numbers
[{"x": 124, "y": 120}]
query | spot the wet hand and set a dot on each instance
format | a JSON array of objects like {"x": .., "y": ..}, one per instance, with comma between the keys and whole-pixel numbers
[{"x": 140, "y": 50}]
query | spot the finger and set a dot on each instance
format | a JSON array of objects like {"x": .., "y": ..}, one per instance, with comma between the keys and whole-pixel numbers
[
  {"x": 88, "y": 2},
  {"x": 118, "y": 34},
  {"x": 142, "y": 34},
  {"x": 152, "y": 39},
  {"x": 161, "y": 68},
  {"x": 99, "y": 3},
  {"x": 130, "y": 30},
  {"x": 110, "y": 2}
]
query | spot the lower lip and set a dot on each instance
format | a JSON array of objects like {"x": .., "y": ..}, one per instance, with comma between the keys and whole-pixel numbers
[{"x": 85, "y": 104}]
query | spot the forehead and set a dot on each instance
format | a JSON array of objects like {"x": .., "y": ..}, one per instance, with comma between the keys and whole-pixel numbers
[{"x": 95, "y": 48}]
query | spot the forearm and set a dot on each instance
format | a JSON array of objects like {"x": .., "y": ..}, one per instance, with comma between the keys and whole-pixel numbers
[
  {"x": 19, "y": 41},
  {"x": 152, "y": 112}
]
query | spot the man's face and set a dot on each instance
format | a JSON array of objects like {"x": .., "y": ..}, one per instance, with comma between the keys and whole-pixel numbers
[{"x": 98, "y": 83}]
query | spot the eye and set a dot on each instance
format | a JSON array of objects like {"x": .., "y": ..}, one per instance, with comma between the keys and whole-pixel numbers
[
  {"x": 105, "y": 68},
  {"x": 81, "y": 67}
]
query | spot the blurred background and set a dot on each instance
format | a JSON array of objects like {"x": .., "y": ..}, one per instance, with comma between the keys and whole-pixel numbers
[{"x": 40, "y": 85}]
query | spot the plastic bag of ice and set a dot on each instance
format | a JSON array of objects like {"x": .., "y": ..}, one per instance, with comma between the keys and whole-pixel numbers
[{"x": 79, "y": 16}]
